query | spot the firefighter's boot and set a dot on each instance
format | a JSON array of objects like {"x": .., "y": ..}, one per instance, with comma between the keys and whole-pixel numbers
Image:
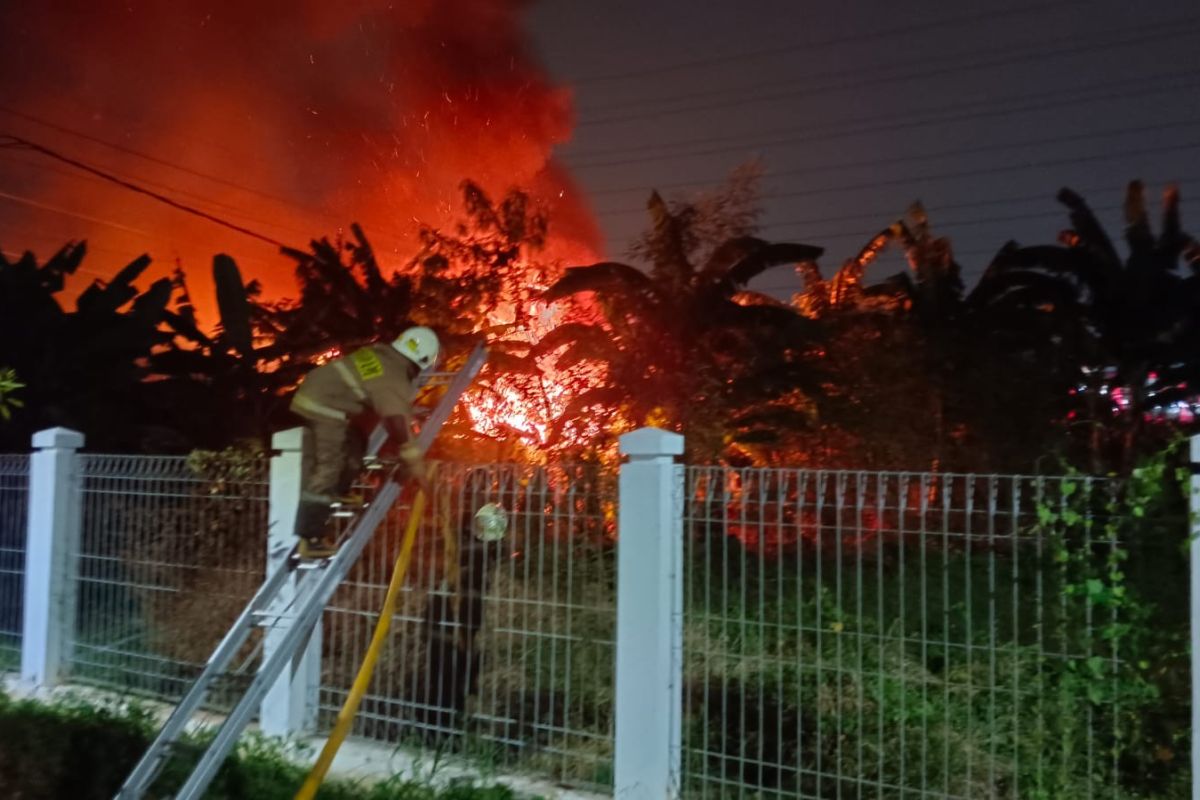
[
  {"x": 315, "y": 540},
  {"x": 348, "y": 505}
]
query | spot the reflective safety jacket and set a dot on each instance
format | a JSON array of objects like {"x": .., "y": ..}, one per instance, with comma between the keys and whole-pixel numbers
[{"x": 371, "y": 378}]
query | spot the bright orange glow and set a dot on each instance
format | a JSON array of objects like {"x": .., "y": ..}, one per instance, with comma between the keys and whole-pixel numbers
[
  {"x": 371, "y": 112},
  {"x": 328, "y": 355},
  {"x": 528, "y": 404}
]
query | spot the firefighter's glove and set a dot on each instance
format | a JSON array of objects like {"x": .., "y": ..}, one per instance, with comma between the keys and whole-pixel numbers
[{"x": 414, "y": 463}]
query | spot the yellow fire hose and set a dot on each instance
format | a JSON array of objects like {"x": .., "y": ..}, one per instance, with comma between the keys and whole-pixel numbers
[{"x": 346, "y": 716}]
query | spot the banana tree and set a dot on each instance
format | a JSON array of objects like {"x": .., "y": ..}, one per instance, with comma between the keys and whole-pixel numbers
[
  {"x": 1132, "y": 322},
  {"x": 684, "y": 344},
  {"x": 85, "y": 367}
]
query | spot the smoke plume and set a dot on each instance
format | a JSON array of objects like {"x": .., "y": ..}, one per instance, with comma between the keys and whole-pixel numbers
[{"x": 292, "y": 119}]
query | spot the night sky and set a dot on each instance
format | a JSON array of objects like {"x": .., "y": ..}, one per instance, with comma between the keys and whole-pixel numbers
[
  {"x": 295, "y": 119},
  {"x": 982, "y": 111}
]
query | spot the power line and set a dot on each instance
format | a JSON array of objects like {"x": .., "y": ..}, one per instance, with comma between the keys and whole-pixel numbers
[
  {"x": 169, "y": 243},
  {"x": 953, "y": 175},
  {"x": 145, "y": 156},
  {"x": 820, "y": 77},
  {"x": 890, "y": 213},
  {"x": 989, "y": 148},
  {"x": 244, "y": 216},
  {"x": 1179, "y": 28},
  {"x": 944, "y": 223},
  {"x": 158, "y": 243},
  {"x": 207, "y": 176},
  {"x": 133, "y": 187},
  {"x": 55, "y": 209},
  {"x": 1056, "y": 99},
  {"x": 959, "y": 223},
  {"x": 993, "y": 170},
  {"x": 889, "y": 32},
  {"x": 32, "y": 161}
]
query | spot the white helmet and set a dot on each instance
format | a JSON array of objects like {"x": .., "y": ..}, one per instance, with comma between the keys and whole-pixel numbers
[
  {"x": 419, "y": 345},
  {"x": 490, "y": 523}
]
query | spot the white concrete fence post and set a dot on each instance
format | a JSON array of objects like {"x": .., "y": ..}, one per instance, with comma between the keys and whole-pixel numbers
[
  {"x": 289, "y": 708},
  {"x": 51, "y": 543},
  {"x": 649, "y": 654}
]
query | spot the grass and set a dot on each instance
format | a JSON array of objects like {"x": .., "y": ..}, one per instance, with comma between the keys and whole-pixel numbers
[
  {"x": 74, "y": 750},
  {"x": 964, "y": 675}
]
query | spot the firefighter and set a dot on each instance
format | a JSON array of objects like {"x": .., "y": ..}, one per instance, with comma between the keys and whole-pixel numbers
[{"x": 378, "y": 378}]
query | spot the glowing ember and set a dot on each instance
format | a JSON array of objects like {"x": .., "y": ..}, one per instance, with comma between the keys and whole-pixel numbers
[{"x": 328, "y": 355}]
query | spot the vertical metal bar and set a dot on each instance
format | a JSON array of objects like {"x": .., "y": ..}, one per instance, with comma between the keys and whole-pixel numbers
[
  {"x": 727, "y": 481},
  {"x": 1115, "y": 656},
  {"x": 802, "y": 484},
  {"x": 840, "y": 673},
  {"x": 783, "y": 491},
  {"x": 523, "y": 638},
  {"x": 1040, "y": 627},
  {"x": 991, "y": 539},
  {"x": 820, "y": 626},
  {"x": 860, "y": 490},
  {"x": 969, "y": 638},
  {"x": 742, "y": 622},
  {"x": 923, "y": 547},
  {"x": 881, "y": 633},
  {"x": 1088, "y": 637},
  {"x": 1017, "y": 645},
  {"x": 764, "y": 487},
  {"x": 1065, "y": 644},
  {"x": 536, "y": 591},
  {"x": 553, "y": 612},
  {"x": 947, "y": 498}
]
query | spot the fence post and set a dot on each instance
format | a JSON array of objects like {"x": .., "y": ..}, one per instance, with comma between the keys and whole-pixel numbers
[
  {"x": 51, "y": 541},
  {"x": 290, "y": 705},
  {"x": 649, "y": 617},
  {"x": 1194, "y": 560}
]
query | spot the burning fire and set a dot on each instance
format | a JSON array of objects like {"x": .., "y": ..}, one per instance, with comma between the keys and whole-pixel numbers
[
  {"x": 289, "y": 119},
  {"x": 528, "y": 405},
  {"x": 292, "y": 120}
]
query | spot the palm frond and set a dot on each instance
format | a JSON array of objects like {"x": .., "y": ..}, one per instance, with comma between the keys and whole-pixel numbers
[
  {"x": 603, "y": 277},
  {"x": 1089, "y": 229}
]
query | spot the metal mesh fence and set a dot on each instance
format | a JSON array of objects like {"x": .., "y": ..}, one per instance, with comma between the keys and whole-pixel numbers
[
  {"x": 500, "y": 650},
  {"x": 171, "y": 549},
  {"x": 846, "y": 634},
  {"x": 14, "y": 504},
  {"x": 899, "y": 635}
]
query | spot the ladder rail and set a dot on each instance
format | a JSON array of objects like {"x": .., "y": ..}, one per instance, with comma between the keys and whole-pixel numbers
[
  {"x": 456, "y": 386},
  {"x": 148, "y": 768},
  {"x": 312, "y": 593},
  {"x": 314, "y": 606}
]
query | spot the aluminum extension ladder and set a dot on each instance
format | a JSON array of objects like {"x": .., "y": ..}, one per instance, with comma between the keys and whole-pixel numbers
[{"x": 315, "y": 585}]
